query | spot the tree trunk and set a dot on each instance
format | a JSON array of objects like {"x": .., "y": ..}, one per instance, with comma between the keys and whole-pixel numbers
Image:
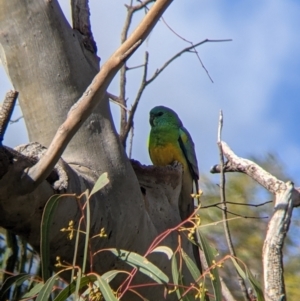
[{"x": 50, "y": 68}]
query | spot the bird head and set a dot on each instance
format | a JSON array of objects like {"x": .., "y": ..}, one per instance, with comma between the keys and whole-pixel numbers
[{"x": 160, "y": 116}]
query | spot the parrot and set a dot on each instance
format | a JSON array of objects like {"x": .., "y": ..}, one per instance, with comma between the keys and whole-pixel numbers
[{"x": 170, "y": 141}]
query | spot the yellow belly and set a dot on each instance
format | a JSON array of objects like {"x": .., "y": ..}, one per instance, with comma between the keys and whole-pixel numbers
[{"x": 166, "y": 155}]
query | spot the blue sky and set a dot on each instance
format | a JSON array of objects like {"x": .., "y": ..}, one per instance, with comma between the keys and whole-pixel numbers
[{"x": 256, "y": 76}]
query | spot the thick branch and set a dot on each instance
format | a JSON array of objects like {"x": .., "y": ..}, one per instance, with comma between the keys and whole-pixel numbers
[
  {"x": 248, "y": 167},
  {"x": 272, "y": 250}
]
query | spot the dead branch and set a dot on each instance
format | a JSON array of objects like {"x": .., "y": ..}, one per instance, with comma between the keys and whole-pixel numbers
[
  {"x": 81, "y": 22},
  {"x": 286, "y": 197},
  {"x": 129, "y": 123},
  {"x": 191, "y": 43},
  {"x": 254, "y": 171},
  {"x": 96, "y": 91},
  {"x": 6, "y": 111},
  {"x": 187, "y": 49},
  {"x": 122, "y": 96},
  {"x": 272, "y": 249}
]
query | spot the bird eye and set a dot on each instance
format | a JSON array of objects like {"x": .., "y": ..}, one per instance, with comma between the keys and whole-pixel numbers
[{"x": 160, "y": 113}]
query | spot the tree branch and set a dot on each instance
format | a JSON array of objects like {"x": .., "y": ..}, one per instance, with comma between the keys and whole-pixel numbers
[
  {"x": 187, "y": 49},
  {"x": 129, "y": 123},
  {"x": 254, "y": 171},
  {"x": 224, "y": 208},
  {"x": 81, "y": 22},
  {"x": 6, "y": 111},
  {"x": 286, "y": 197},
  {"x": 272, "y": 249},
  {"x": 84, "y": 107},
  {"x": 124, "y": 124}
]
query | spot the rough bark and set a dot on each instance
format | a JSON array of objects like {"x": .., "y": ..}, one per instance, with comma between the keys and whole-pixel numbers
[{"x": 50, "y": 68}]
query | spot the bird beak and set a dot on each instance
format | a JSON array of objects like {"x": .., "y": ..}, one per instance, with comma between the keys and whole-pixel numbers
[{"x": 151, "y": 119}]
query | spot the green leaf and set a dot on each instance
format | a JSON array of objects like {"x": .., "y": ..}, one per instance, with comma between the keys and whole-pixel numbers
[
  {"x": 175, "y": 275},
  {"x": 142, "y": 264},
  {"x": 256, "y": 285},
  {"x": 100, "y": 183},
  {"x": 209, "y": 256},
  {"x": 239, "y": 269},
  {"x": 164, "y": 249},
  {"x": 18, "y": 280},
  {"x": 192, "y": 267},
  {"x": 34, "y": 291},
  {"x": 248, "y": 276},
  {"x": 106, "y": 289},
  {"x": 45, "y": 231},
  {"x": 47, "y": 288},
  {"x": 110, "y": 275},
  {"x": 70, "y": 289}
]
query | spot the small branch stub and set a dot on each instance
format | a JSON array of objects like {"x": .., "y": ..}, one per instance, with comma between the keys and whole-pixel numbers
[{"x": 6, "y": 111}]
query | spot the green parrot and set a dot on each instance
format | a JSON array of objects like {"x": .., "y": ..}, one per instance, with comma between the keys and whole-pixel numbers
[{"x": 169, "y": 141}]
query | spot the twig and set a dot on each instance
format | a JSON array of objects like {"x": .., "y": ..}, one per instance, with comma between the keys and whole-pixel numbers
[
  {"x": 195, "y": 51},
  {"x": 236, "y": 203},
  {"x": 115, "y": 99},
  {"x": 91, "y": 97},
  {"x": 134, "y": 67},
  {"x": 224, "y": 208},
  {"x": 243, "y": 216},
  {"x": 187, "y": 49},
  {"x": 6, "y": 111},
  {"x": 15, "y": 120},
  {"x": 125, "y": 131},
  {"x": 81, "y": 22}
]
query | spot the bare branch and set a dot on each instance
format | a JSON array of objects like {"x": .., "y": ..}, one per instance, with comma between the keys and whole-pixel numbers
[
  {"x": 125, "y": 131},
  {"x": 90, "y": 99},
  {"x": 236, "y": 203},
  {"x": 254, "y": 171},
  {"x": 6, "y": 111},
  {"x": 272, "y": 250},
  {"x": 224, "y": 208},
  {"x": 195, "y": 51},
  {"x": 81, "y": 22},
  {"x": 187, "y": 49},
  {"x": 115, "y": 99},
  {"x": 15, "y": 120},
  {"x": 239, "y": 215},
  {"x": 134, "y": 67}
]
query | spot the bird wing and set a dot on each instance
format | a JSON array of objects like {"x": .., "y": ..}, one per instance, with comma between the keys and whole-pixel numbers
[{"x": 188, "y": 148}]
